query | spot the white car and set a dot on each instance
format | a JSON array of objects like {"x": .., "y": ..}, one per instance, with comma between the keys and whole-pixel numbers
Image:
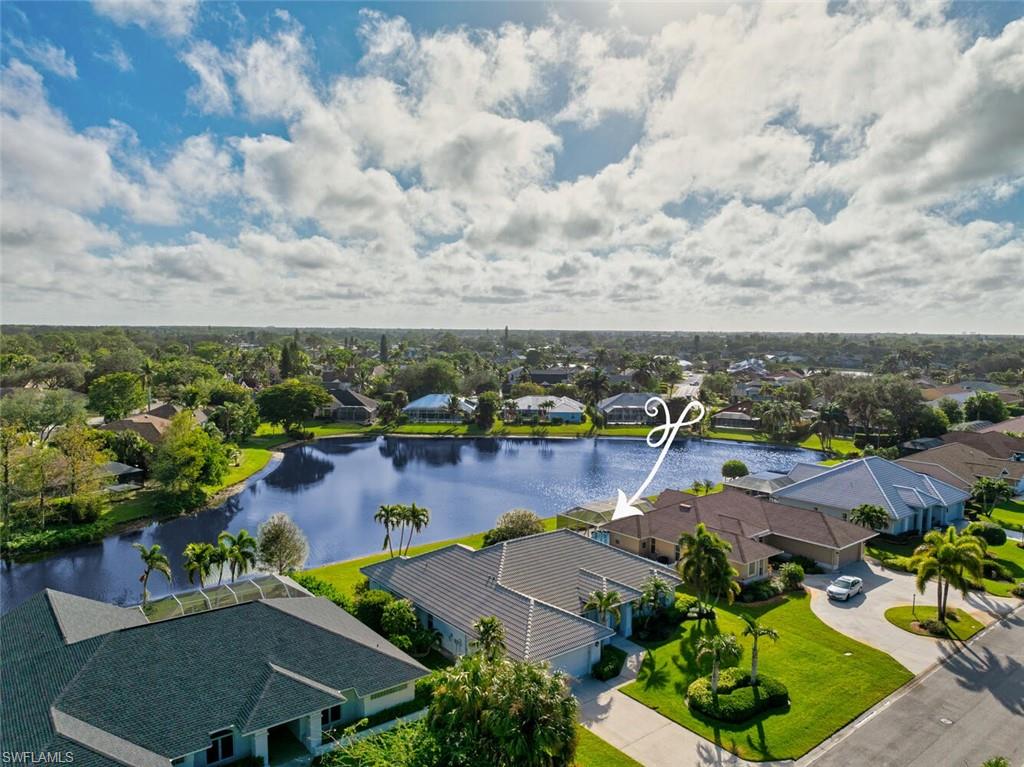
[{"x": 845, "y": 587}]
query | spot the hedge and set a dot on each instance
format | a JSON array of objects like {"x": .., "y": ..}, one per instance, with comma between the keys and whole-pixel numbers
[
  {"x": 990, "y": 532},
  {"x": 736, "y": 700},
  {"x": 610, "y": 665}
]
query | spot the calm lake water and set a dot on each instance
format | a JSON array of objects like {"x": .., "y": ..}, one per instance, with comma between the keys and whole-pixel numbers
[{"x": 332, "y": 488}]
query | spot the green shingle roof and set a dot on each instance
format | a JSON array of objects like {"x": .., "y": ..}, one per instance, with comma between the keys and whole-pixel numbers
[{"x": 166, "y": 686}]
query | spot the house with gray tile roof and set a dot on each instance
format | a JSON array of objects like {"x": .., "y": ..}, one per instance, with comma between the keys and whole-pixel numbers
[
  {"x": 101, "y": 683},
  {"x": 914, "y": 501},
  {"x": 627, "y": 408},
  {"x": 536, "y": 586}
]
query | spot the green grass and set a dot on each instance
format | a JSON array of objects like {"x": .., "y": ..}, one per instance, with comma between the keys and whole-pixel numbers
[
  {"x": 345, "y": 575},
  {"x": 1009, "y": 555},
  {"x": 827, "y": 687},
  {"x": 254, "y": 459},
  {"x": 716, "y": 489},
  {"x": 961, "y": 627},
  {"x": 592, "y": 751},
  {"x": 1010, "y": 515}
]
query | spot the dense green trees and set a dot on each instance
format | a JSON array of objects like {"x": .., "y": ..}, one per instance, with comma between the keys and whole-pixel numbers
[
  {"x": 487, "y": 408},
  {"x": 291, "y": 402},
  {"x": 985, "y": 406},
  {"x": 435, "y": 376},
  {"x": 514, "y": 523},
  {"x": 116, "y": 395},
  {"x": 43, "y": 411},
  {"x": 188, "y": 459}
]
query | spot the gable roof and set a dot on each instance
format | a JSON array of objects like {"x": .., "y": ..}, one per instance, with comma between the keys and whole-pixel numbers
[
  {"x": 535, "y": 585},
  {"x": 168, "y": 410},
  {"x": 150, "y": 427},
  {"x": 960, "y": 465},
  {"x": 350, "y": 398},
  {"x": 1012, "y": 424},
  {"x": 872, "y": 480},
  {"x": 250, "y": 665}
]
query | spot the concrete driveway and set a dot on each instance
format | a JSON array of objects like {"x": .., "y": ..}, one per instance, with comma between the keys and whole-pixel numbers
[{"x": 863, "y": 616}]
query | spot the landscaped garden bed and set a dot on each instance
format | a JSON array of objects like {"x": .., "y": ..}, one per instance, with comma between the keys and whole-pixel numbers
[
  {"x": 924, "y": 621},
  {"x": 830, "y": 677},
  {"x": 736, "y": 700}
]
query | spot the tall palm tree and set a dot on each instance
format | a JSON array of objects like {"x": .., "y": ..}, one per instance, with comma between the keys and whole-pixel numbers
[
  {"x": 720, "y": 648},
  {"x": 831, "y": 416},
  {"x": 545, "y": 408},
  {"x": 155, "y": 562},
  {"x": 704, "y": 567},
  {"x": 218, "y": 558},
  {"x": 593, "y": 385},
  {"x": 241, "y": 552},
  {"x": 605, "y": 604},
  {"x": 198, "y": 562},
  {"x": 755, "y": 629},
  {"x": 949, "y": 559},
  {"x": 389, "y": 516},
  {"x": 869, "y": 515},
  {"x": 147, "y": 370},
  {"x": 418, "y": 518},
  {"x": 454, "y": 407},
  {"x": 490, "y": 637}
]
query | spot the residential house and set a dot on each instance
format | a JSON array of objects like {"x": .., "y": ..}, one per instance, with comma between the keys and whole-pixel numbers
[
  {"x": 437, "y": 408},
  {"x": 536, "y": 586},
  {"x": 554, "y": 375},
  {"x": 914, "y": 501},
  {"x": 150, "y": 427},
  {"x": 100, "y": 686},
  {"x": 168, "y": 410},
  {"x": 1009, "y": 426},
  {"x": 971, "y": 426},
  {"x": 995, "y": 443},
  {"x": 590, "y": 515},
  {"x": 550, "y": 408},
  {"x": 739, "y": 415},
  {"x": 349, "y": 405},
  {"x": 755, "y": 528},
  {"x": 628, "y": 408},
  {"x": 122, "y": 476},
  {"x": 961, "y": 466},
  {"x": 761, "y": 483},
  {"x": 752, "y": 365}
]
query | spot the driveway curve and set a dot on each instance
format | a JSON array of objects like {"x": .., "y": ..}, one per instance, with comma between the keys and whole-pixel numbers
[{"x": 863, "y": 616}]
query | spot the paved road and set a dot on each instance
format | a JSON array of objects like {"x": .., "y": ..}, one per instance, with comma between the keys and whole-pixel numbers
[
  {"x": 863, "y": 616},
  {"x": 979, "y": 692}
]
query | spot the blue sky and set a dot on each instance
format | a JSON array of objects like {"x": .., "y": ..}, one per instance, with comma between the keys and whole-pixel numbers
[{"x": 786, "y": 167}]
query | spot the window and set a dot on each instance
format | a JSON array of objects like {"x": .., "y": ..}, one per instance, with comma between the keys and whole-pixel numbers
[
  {"x": 330, "y": 716},
  {"x": 222, "y": 747}
]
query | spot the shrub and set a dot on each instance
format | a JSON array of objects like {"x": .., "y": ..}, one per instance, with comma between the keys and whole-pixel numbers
[
  {"x": 934, "y": 626},
  {"x": 369, "y": 607},
  {"x": 1018, "y": 590},
  {"x": 996, "y": 570},
  {"x": 303, "y": 435},
  {"x": 80, "y": 509},
  {"x": 792, "y": 574},
  {"x": 515, "y": 523},
  {"x": 398, "y": 620},
  {"x": 736, "y": 701},
  {"x": 686, "y": 608},
  {"x": 758, "y": 591},
  {"x": 990, "y": 532},
  {"x": 734, "y": 468},
  {"x": 809, "y": 565},
  {"x": 610, "y": 664},
  {"x": 322, "y": 588}
]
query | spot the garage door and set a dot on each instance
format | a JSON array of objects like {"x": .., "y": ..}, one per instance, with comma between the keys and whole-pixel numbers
[{"x": 576, "y": 663}]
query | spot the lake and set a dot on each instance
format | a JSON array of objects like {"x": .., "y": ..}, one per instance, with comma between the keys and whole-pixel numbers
[{"x": 332, "y": 487}]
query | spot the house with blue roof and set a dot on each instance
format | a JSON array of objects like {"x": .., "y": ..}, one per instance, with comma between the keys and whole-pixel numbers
[
  {"x": 915, "y": 502},
  {"x": 439, "y": 408}
]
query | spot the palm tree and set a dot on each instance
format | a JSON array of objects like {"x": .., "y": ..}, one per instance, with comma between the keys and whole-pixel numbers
[
  {"x": 218, "y": 558},
  {"x": 869, "y": 515},
  {"x": 490, "y": 637},
  {"x": 756, "y": 630},
  {"x": 147, "y": 370},
  {"x": 605, "y": 604},
  {"x": 593, "y": 385},
  {"x": 454, "y": 407},
  {"x": 241, "y": 554},
  {"x": 704, "y": 567},
  {"x": 199, "y": 561},
  {"x": 417, "y": 518},
  {"x": 155, "y": 562},
  {"x": 655, "y": 592},
  {"x": 948, "y": 558},
  {"x": 545, "y": 407},
  {"x": 389, "y": 516},
  {"x": 988, "y": 492},
  {"x": 720, "y": 648},
  {"x": 830, "y": 418}
]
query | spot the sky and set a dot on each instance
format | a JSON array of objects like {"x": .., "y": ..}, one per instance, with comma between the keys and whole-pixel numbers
[{"x": 651, "y": 166}]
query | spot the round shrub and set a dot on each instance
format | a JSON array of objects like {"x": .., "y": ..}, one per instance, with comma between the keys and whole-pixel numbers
[
  {"x": 736, "y": 701},
  {"x": 610, "y": 664},
  {"x": 734, "y": 468},
  {"x": 370, "y": 607},
  {"x": 989, "y": 532},
  {"x": 1018, "y": 590}
]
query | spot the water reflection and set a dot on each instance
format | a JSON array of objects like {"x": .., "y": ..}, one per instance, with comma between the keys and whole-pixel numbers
[{"x": 333, "y": 487}]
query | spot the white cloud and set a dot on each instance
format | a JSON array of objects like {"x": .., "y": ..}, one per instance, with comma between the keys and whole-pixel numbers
[
  {"x": 50, "y": 57},
  {"x": 117, "y": 57},
  {"x": 170, "y": 18}
]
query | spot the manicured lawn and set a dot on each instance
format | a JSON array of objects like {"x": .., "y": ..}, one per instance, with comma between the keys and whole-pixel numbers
[
  {"x": 345, "y": 575},
  {"x": 716, "y": 489},
  {"x": 962, "y": 627},
  {"x": 831, "y": 680},
  {"x": 1010, "y": 515},
  {"x": 1009, "y": 555},
  {"x": 592, "y": 751},
  {"x": 253, "y": 460}
]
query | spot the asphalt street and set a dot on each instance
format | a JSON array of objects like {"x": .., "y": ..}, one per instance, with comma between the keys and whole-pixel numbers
[{"x": 969, "y": 709}]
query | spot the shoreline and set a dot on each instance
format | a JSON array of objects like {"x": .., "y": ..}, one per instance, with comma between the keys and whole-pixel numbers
[{"x": 277, "y": 455}]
